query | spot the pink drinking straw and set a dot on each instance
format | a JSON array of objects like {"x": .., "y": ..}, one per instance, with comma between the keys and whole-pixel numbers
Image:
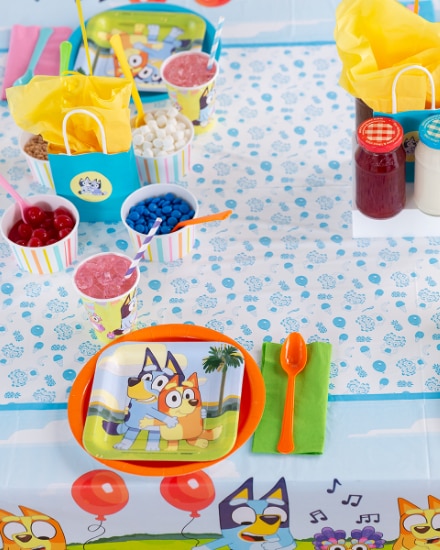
[
  {"x": 215, "y": 43},
  {"x": 143, "y": 247}
]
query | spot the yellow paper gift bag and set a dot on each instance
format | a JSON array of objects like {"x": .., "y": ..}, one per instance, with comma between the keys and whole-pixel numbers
[
  {"x": 40, "y": 106},
  {"x": 377, "y": 38}
]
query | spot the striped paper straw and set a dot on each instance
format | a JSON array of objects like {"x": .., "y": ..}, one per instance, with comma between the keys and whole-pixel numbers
[
  {"x": 215, "y": 43},
  {"x": 143, "y": 247}
]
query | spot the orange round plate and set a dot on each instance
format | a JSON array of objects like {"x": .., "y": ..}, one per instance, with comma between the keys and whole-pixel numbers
[{"x": 251, "y": 405}]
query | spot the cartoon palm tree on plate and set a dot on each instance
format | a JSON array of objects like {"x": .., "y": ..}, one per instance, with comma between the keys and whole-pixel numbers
[{"x": 220, "y": 359}]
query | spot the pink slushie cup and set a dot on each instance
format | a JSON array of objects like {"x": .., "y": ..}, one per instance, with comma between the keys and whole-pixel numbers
[
  {"x": 191, "y": 87},
  {"x": 110, "y": 299}
]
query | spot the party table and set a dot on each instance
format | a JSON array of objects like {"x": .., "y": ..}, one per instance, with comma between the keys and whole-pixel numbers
[{"x": 285, "y": 261}]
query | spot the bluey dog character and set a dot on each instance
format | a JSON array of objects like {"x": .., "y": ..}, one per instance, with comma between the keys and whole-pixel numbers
[
  {"x": 143, "y": 391},
  {"x": 249, "y": 524},
  {"x": 30, "y": 529},
  {"x": 90, "y": 187}
]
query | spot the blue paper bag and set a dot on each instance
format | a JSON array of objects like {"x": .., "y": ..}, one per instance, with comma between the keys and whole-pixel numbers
[
  {"x": 97, "y": 183},
  {"x": 410, "y": 120}
]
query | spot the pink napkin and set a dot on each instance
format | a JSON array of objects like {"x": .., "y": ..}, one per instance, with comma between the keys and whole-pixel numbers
[{"x": 21, "y": 46}]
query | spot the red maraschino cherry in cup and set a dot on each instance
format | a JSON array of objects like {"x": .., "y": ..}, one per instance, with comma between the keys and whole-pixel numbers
[
  {"x": 37, "y": 227},
  {"x": 42, "y": 227}
]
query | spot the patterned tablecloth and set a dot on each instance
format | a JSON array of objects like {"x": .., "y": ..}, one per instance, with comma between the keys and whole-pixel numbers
[
  {"x": 280, "y": 158},
  {"x": 285, "y": 261}
]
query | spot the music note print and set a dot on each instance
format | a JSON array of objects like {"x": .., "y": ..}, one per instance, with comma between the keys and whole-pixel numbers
[
  {"x": 318, "y": 515},
  {"x": 333, "y": 489},
  {"x": 353, "y": 500},
  {"x": 375, "y": 518}
]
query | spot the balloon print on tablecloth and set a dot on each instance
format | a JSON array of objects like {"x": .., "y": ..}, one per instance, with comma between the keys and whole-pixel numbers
[
  {"x": 191, "y": 492},
  {"x": 101, "y": 493}
]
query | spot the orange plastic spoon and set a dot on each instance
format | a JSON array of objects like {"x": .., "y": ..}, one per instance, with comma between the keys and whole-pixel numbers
[
  {"x": 203, "y": 219},
  {"x": 293, "y": 358}
]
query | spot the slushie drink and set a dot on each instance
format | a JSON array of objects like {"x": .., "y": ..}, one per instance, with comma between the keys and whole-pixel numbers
[
  {"x": 191, "y": 87},
  {"x": 109, "y": 297}
]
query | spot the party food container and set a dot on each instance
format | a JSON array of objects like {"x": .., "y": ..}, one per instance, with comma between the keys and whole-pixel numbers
[
  {"x": 34, "y": 150},
  {"x": 162, "y": 147},
  {"x": 110, "y": 298},
  {"x": 191, "y": 87},
  {"x": 46, "y": 259},
  {"x": 168, "y": 247}
]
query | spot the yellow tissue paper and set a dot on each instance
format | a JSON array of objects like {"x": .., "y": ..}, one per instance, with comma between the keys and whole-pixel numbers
[
  {"x": 377, "y": 38},
  {"x": 40, "y": 106}
]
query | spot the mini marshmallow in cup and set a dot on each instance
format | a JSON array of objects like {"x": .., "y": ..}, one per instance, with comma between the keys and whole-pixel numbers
[
  {"x": 162, "y": 146},
  {"x": 162, "y": 134}
]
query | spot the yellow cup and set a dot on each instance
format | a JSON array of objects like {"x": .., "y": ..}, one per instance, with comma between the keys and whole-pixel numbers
[
  {"x": 191, "y": 88},
  {"x": 110, "y": 317}
]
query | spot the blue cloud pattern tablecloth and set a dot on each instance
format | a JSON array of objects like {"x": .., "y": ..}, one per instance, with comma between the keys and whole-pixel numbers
[{"x": 280, "y": 158}]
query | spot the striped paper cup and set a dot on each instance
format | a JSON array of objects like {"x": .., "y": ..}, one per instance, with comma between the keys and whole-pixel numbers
[
  {"x": 40, "y": 169},
  {"x": 43, "y": 260},
  {"x": 167, "y": 168},
  {"x": 163, "y": 248}
]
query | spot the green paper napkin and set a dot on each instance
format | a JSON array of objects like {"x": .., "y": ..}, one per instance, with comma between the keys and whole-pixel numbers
[{"x": 311, "y": 396}]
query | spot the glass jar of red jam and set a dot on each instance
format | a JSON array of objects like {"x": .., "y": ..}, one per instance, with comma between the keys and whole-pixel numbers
[{"x": 380, "y": 186}]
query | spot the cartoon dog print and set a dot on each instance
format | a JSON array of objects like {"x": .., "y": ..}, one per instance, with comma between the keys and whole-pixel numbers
[
  {"x": 143, "y": 391},
  {"x": 410, "y": 144},
  {"x": 419, "y": 528},
  {"x": 128, "y": 316},
  {"x": 157, "y": 51},
  {"x": 145, "y": 51},
  {"x": 207, "y": 107},
  {"x": 90, "y": 187},
  {"x": 249, "y": 524},
  {"x": 184, "y": 402},
  {"x": 31, "y": 530}
]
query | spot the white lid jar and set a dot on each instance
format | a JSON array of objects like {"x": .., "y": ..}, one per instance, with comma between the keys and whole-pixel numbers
[{"x": 427, "y": 167}]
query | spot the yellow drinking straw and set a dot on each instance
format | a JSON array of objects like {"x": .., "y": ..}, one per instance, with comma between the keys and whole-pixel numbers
[{"x": 84, "y": 35}]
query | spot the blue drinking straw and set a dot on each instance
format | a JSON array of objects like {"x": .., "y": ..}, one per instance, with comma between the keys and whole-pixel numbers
[{"x": 215, "y": 43}]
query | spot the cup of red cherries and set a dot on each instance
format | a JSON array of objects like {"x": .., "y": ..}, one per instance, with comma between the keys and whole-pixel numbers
[{"x": 46, "y": 241}]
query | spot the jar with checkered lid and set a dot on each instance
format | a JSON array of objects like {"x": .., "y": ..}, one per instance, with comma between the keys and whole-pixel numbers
[
  {"x": 427, "y": 167},
  {"x": 380, "y": 187}
]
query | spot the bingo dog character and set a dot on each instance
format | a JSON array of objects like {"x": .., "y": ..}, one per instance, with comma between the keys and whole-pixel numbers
[
  {"x": 419, "y": 528},
  {"x": 249, "y": 524},
  {"x": 143, "y": 391},
  {"x": 183, "y": 401},
  {"x": 32, "y": 530}
]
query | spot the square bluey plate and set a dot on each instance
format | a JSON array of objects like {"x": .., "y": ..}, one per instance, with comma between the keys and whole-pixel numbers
[
  {"x": 164, "y": 401},
  {"x": 148, "y": 38}
]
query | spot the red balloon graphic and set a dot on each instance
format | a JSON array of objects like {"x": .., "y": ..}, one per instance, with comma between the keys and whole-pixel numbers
[
  {"x": 191, "y": 492},
  {"x": 100, "y": 492}
]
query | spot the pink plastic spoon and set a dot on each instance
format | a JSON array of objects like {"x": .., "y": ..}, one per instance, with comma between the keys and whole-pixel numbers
[
  {"x": 24, "y": 206},
  {"x": 203, "y": 219}
]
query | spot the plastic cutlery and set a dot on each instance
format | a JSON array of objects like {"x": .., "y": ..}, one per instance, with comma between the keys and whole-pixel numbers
[
  {"x": 203, "y": 219},
  {"x": 43, "y": 37},
  {"x": 116, "y": 44},
  {"x": 24, "y": 206},
  {"x": 65, "y": 51},
  {"x": 293, "y": 359}
]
